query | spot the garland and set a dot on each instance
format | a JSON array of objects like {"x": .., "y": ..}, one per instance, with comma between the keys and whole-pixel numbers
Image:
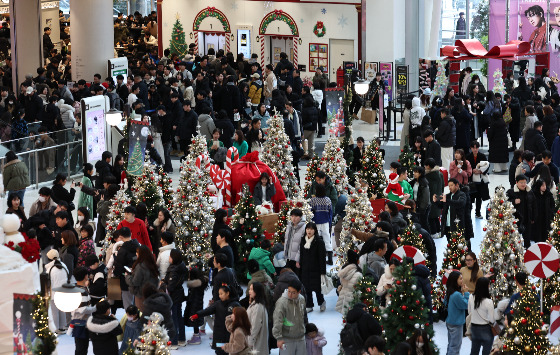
[
  {"x": 319, "y": 29},
  {"x": 280, "y": 16},
  {"x": 48, "y": 341},
  {"x": 211, "y": 12}
]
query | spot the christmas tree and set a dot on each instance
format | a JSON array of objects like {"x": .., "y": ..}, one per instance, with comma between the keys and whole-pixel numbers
[
  {"x": 499, "y": 87},
  {"x": 406, "y": 158},
  {"x": 177, "y": 44},
  {"x": 359, "y": 213},
  {"x": 198, "y": 146},
  {"x": 251, "y": 232},
  {"x": 193, "y": 213},
  {"x": 334, "y": 165},
  {"x": 405, "y": 312},
  {"x": 527, "y": 333},
  {"x": 154, "y": 339},
  {"x": 277, "y": 154},
  {"x": 146, "y": 189},
  {"x": 372, "y": 170},
  {"x": 164, "y": 183},
  {"x": 502, "y": 248},
  {"x": 47, "y": 339},
  {"x": 115, "y": 216},
  {"x": 440, "y": 86},
  {"x": 312, "y": 168},
  {"x": 136, "y": 162},
  {"x": 299, "y": 201},
  {"x": 365, "y": 292},
  {"x": 552, "y": 284},
  {"x": 411, "y": 236}
]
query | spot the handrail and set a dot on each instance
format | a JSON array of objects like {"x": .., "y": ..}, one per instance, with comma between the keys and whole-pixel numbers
[{"x": 37, "y": 134}]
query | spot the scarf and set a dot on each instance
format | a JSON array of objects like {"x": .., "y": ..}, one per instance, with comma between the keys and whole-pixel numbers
[{"x": 308, "y": 242}]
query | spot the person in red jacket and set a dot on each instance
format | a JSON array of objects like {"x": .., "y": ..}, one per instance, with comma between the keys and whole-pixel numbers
[{"x": 136, "y": 225}]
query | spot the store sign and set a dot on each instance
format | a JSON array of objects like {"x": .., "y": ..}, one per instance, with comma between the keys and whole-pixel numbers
[
  {"x": 402, "y": 79},
  {"x": 4, "y": 9},
  {"x": 118, "y": 66},
  {"x": 49, "y": 5}
]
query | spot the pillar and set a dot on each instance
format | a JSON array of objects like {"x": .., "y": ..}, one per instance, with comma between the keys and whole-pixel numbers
[
  {"x": 92, "y": 36},
  {"x": 412, "y": 42},
  {"x": 27, "y": 40}
]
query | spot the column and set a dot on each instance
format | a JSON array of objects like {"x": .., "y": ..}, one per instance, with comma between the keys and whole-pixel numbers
[
  {"x": 92, "y": 37},
  {"x": 27, "y": 40},
  {"x": 412, "y": 42}
]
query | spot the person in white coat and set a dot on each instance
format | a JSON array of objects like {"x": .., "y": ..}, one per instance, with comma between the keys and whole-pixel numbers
[
  {"x": 349, "y": 276},
  {"x": 258, "y": 315},
  {"x": 481, "y": 310},
  {"x": 386, "y": 280},
  {"x": 417, "y": 113},
  {"x": 58, "y": 276},
  {"x": 167, "y": 242}
]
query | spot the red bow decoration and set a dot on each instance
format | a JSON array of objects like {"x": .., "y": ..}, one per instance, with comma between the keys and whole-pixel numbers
[
  {"x": 278, "y": 13},
  {"x": 211, "y": 9},
  {"x": 319, "y": 25},
  {"x": 472, "y": 49}
]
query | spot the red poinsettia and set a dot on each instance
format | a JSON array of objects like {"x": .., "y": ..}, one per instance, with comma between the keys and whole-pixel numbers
[
  {"x": 319, "y": 25},
  {"x": 30, "y": 249}
]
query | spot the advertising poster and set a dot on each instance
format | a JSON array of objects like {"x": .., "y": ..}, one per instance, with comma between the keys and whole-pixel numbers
[
  {"x": 554, "y": 34},
  {"x": 402, "y": 79},
  {"x": 532, "y": 24},
  {"x": 335, "y": 111},
  {"x": 370, "y": 69},
  {"x": 93, "y": 128},
  {"x": 118, "y": 66},
  {"x": 24, "y": 333},
  {"x": 386, "y": 70},
  {"x": 139, "y": 132}
]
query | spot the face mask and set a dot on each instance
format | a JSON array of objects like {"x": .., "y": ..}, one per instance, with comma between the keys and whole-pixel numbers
[
  {"x": 42, "y": 199},
  {"x": 130, "y": 318},
  {"x": 476, "y": 81},
  {"x": 419, "y": 345},
  {"x": 80, "y": 218}
]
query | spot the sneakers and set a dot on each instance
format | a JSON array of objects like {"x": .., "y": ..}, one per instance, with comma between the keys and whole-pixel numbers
[
  {"x": 202, "y": 331},
  {"x": 323, "y": 307},
  {"x": 195, "y": 340},
  {"x": 173, "y": 347},
  {"x": 478, "y": 216},
  {"x": 183, "y": 343},
  {"x": 309, "y": 309}
]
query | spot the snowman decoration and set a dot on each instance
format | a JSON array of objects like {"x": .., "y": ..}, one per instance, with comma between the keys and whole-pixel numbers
[{"x": 10, "y": 228}]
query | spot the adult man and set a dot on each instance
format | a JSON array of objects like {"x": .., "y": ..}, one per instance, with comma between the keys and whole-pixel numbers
[
  {"x": 122, "y": 89},
  {"x": 46, "y": 157},
  {"x": 166, "y": 137},
  {"x": 48, "y": 46},
  {"x": 294, "y": 117},
  {"x": 461, "y": 27},
  {"x": 374, "y": 345},
  {"x": 253, "y": 134},
  {"x": 255, "y": 90},
  {"x": 167, "y": 244},
  {"x": 133, "y": 96},
  {"x": 523, "y": 200},
  {"x": 143, "y": 94},
  {"x": 297, "y": 86},
  {"x": 290, "y": 309},
  {"x": 62, "y": 224},
  {"x": 82, "y": 92},
  {"x": 224, "y": 276},
  {"x": 103, "y": 168},
  {"x": 125, "y": 257},
  {"x": 136, "y": 226},
  {"x": 82, "y": 313},
  {"x": 32, "y": 103},
  {"x": 186, "y": 128},
  {"x": 64, "y": 91},
  {"x": 222, "y": 239},
  {"x": 480, "y": 167},
  {"x": 177, "y": 115},
  {"x": 446, "y": 136},
  {"x": 270, "y": 83},
  {"x": 534, "y": 139},
  {"x": 453, "y": 205},
  {"x": 367, "y": 324},
  {"x": 546, "y": 159},
  {"x": 321, "y": 178},
  {"x": 376, "y": 259},
  {"x": 294, "y": 233},
  {"x": 44, "y": 202},
  {"x": 432, "y": 147}
]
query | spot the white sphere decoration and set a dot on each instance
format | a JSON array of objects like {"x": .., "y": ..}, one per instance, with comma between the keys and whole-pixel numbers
[
  {"x": 385, "y": 315},
  {"x": 248, "y": 241},
  {"x": 460, "y": 246},
  {"x": 198, "y": 248},
  {"x": 416, "y": 325},
  {"x": 374, "y": 175},
  {"x": 512, "y": 256},
  {"x": 254, "y": 230},
  {"x": 413, "y": 287},
  {"x": 497, "y": 245},
  {"x": 516, "y": 340}
]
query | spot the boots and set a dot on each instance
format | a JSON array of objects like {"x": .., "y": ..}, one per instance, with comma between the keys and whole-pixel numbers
[{"x": 329, "y": 258}]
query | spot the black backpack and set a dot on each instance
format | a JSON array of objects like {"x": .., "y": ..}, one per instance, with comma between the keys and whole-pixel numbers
[{"x": 350, "y": 338}]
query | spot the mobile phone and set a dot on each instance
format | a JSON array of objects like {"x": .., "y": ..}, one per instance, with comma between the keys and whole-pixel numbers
[
  {"x": 219, "y": 345},
  {"x": 127, "y": 269}
]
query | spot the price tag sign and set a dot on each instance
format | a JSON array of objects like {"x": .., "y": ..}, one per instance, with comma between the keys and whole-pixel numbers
[{"x": 402, "y": 79}]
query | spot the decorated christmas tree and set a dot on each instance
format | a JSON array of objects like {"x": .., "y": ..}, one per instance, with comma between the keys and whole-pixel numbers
[
  {"x": 177, "y": 44},
  {"x": 47, "y": 341},
  {"x": 372, "y": 170},
  {"x": 406, "y": 311},
  {"x": 406, "y": 158},
  {"x": 440, "y": 86},
  {"x": 198, "y": 146},
  {"x": 502, "y": 248},
  {"x": 116, "y": 215},
  {"x": 164, "y": 183},
  {"x": 277, "y": 154},
  {"x": 251, "y": 230},
  {"x": 359, "y": 215},
  {"x": 411, "y": 236},
  {"x": 334, "y": 165},
  {"x": 146, "y": 189},
  {"x": 136, "y": 162},
  {"x": 154, "y": 339},
  {"x": 499, "y": 87},
  {"x": 193, "y": 213},
  {"x": 552, "y": 284},
  {"x": 365, "y": 292},
  {"x": 527, "y": 333},
  {"x": 298, "y": 201},
  {"x": 312, "y": 168}
]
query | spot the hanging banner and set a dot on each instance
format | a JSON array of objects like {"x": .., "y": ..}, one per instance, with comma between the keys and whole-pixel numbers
[
  {"x": 24, "y": 332},
  {"x": 370, "y": 69},
  {"x": 402, "y": 79},
  {"x": 137, "y": 141},
  {"x": 93, "y": 128},
  {"x": 386, "y": 70},
  {"x": 335, "y": 111}
]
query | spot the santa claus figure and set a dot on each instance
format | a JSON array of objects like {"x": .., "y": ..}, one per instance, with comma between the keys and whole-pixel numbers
[{"x": 393, "y": 187}]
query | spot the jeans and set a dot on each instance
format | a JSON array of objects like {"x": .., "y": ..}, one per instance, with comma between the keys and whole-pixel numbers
[
  {"x": 178, "y": 323},
  {"x": 454, "y": 338},
  {"x": 320, "y": 298},
  {"x": 19, "y": 193},
  {"x": 167, "y": 167},
  {"x": 481, "y": 337}
]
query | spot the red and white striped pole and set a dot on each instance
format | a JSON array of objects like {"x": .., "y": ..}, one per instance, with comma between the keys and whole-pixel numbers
[
  {"x": 195, "y": 42},
  {"x": 295, "y": 51},
  {"x": 228, "y": 36},
  {"x": 262, "y": 51}
]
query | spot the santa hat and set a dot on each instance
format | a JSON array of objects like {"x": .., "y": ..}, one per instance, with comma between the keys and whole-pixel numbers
[
  {"x": 393, "y": 178},
  {"x": 394, "y": 186}
]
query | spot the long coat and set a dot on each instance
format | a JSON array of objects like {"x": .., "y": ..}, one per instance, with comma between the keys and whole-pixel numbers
[
  {"x": 313, "y": 263},
  {"x": 456, "y": 207},
  {"x": 524, "y": 211},
  {"x": 497, "y": 137},
  {"x": 435, "y": 183},
  {"x": 544, "y": 214},
  {"x": 258, "y": 316},
  {"x": 349, "y": 276}
]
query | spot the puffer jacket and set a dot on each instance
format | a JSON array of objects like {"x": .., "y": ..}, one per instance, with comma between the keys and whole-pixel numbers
[
  {"x": 160, "y": 302},
  {"x": 384, "y": 280},
  {"x": 289, "y": 311},
  {"x": 15, "y": 175},
  {"x": 293, "y": 239},
  {"x": 66, "y": 113},
  {"x": 255, "y": 92},
  {"x": 446, "y": 134},
  {"x": 349, "y": 276},
  {"x": 163, "y": 259},
  {"x": 174, "y": 281},
  {"x": 206, "y": 125},
  {"x": 103, "y": 332}
]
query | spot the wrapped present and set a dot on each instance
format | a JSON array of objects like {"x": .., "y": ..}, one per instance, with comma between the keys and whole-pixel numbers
[{"x": 269, "y": 222}]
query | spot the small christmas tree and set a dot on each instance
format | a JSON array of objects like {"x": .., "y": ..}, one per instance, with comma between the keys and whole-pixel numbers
[
  {"x": 154, "y": 339},
  {"x": 277, "y": 154},
  {"x": 499, "y": 87},
  {"x": 146, "y": 189},
  {"x": 359, "y": 213},
  {"x": 251, "y": 230},
  {"x": 334, "y": 165},
  {"x": 164, "y": 182},
  {"x": 406, "y": 158},
  {"x": 526, "y": 333},
  {"x": 299, "y": 201},
  {"x": 48, "y": 340},
  {"x": 440, "y": 86},
  {"x": 312, "y": 168},
  {"x": 177, "y": 44},
  {"x": 136, "y": 162},
  {"x": 115, "y": 216},
  {"x": 502, "y": 248},
  {"x": 372, "y": 170},
  {"x": 365, "y": 292},
  {"x": 405, "y": 312},
  {"x": 411, "y": 236},
  {"x": 552, "y": 284}
]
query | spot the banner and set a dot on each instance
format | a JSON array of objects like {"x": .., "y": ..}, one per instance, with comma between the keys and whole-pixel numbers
[
  {"x": 118, "y": 66},
  {"x": 334, "y": 98},
  {"x": 386, "y": 70},
  {"x": 402, "y": 79},
  {"x": 137, "y": 141},
  {"x": 24, "y": 332},
  {"x": 93, "y": 128},
  {"x": 371, "y": 68},
  {"x": 532, "y": 23}
]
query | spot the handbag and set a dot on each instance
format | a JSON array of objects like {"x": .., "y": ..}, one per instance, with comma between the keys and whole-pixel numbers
[
  {"x": 496, "y": 330},
  {"x": 326, "y": 285},
  {"x": 468, "y": 324},
  {"x": 114, "y": 289}
]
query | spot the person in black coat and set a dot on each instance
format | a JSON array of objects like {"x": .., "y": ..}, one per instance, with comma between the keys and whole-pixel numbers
[
  {"x": 523, "y": 200},
  {"x": 186, "y": 129},
  {"x": 497, "y": 138},
  {"x": 59, "y": 193},
  {"x": 515, "y": 161},
  {"x": 220, "y": 223},
  {"x": 103, "y": 169},
  {"x": 545, "y": 208},
  {"x": 367, "y": 324},
  {"x": 160, "y": 302},
  {"x": 358, "y": 154},
  {"x": 173, "y": 283},
  {"x": 469, "y": 233},
  {"x": 313, "y": 264},
  {"x": 432, "y": 148},
  {"x": 534, "y": 139},
  {"x": 125, "y": 257},
  {"x": 143, "y": 95},
  {"x": 454, "y": 203},
  {"x": 515, "y": 108},
  {"x": 269, "y": 188},
  {"x": 166, "y": 136},
  {"x": 422, "y": 274},
  {"x": 447, "y": 131},
  {"x": 226, "y": 126},
  {"x": 463, "y": 120},
  {"x": 103, "y": 330},
  {"x": 309, "y": 119},
  {"x": 550, "y": 126}
]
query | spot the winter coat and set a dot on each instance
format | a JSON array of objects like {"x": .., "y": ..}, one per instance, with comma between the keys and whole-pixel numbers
[
  {"x": 289, "y": 311},
  {"x": 69, "y": 256},
  {"x": 220, "y": 309},
  {"x": 206, "y": 125},
  {"x": 227, "y": 131},
  {"x": 86, "y": 200},
  {"x": 103, "y": 209},
  {"x": 263, "y": 258},
  {"x": 282, "y": 284},
  {"x": 163, "y": 259},
  {"x": 456, "y": 206},
  {"x": 258, "y": 194},
  {"x": 550, "y": 129},
  {"x": 138, "y": 278},
  {"x": 430, "y": 246},
  {"x": 525, "y": 210},
  {"x": 293, "y": 238},
  {"x": 59, "y": 193},
  {"x": 463, "y": 176},
  {"x": 514, "y": 125},
  {"x": 313, "y": 263},
  {"x": 349, "y": 276},
  {"x": 447, "y": 132},
  {"x": 367, "y": 325},
  {"x": 132, "y": 331},
  {"x": 330, "y": 191},
  {"x": 544, "y": 213},
  {"x": 535, "y": 141},
  {"x": 186, "y": 128},
  {"x": 463, "y": 119},
  {"x": 237, "y": 338},
  {"x": 384, "y": 280},
  {"x": 258, "y": 316},
  {"x": 86, "y": 248},
  {"x": 58, "y": 276},
  {"x": 315, "y": 349},
  {"x": 423, "y": 197},
  {"x": 156, "y": 236},
  {"x": 195, "y": 302},
  {"x": 66, "y": 113},
  {"x": 161, "y": 303},
  {"x": 255, "y": 92},
  {"x": 422, "y": 274},
  {"x": 15, "y": 175},
  {"x": 433, "y": 150},
  {"x": 174, "y": 282},
  {"x": 103, "y": 170},
  {"x": 529, "y": 123},
  {"x": 225, "y": 276},
  {"x": 309, "y": 118},
  {"x": 398, "y": 223},
  {"x": 498, "y": 141},
  {"x": 103, "y": 332}
]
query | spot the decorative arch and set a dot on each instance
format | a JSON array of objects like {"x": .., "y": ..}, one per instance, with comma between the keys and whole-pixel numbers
[
  {"x": 212, "y": 12},
  {"x": 279, "y": 15}
]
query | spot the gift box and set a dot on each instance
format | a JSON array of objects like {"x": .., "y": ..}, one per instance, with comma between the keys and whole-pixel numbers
[
  {"x": 369, "y": 116},
  {"x": 378, "y": 206},
  {"x": 269, "y": 222}
]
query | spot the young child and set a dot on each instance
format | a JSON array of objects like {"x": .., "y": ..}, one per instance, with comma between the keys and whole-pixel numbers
[
  {"x": 278, "y": 259},
  {"x": 132, "y": 329},
  {"x": 97, "y": 278},
  {"x": 82, "y": 313},
  {"x": 196, "y": 284},
  {"x": 103, "y": 330},
  {"x": 314, "y": 340}
]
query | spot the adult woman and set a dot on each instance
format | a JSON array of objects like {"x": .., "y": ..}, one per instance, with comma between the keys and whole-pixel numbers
[
  {"x": 144, "y": 271},
  {"x": 103, "y": 209},
  {"x": 402, "y": 348},
  {"x": 240, "y": 143},
  {"x": 262, "y": 114},
  {"x": 83, "y": 220},
  {"x": 550, "y": 125},
  {"x": 545, "y": 210},
  {"x": 173, "y": 283},
  {"x": 421, "y": 195},
  {"x": 188, "y": 92},
  {"x": 239, "y": 327},
  {"x": 449, "y": 97},
  {"x": 86, "y": 200},
  {"x": 59, "y": 193},
  {"x": 435, "y": 184},
  {"x": 522, "y": 92},
  {"x": 481, "y": 309},
  {"x": 15, "y": 176},
  {"x": 463, "y": 121},
  {"x": 406, "y": 124},
  {"x": 214, "y": 144},
  {"x": 258, "y": 316},
  {"x": 386, "y": 280},
  {"x": 349, "y": 276},
  {"x": 460, "y": 168},
  {"x": 420, "y": 343},
  {"x": 69, "y": 252},
  {"x": 155, "y": 301},
  {"x": 471, "y": 271},
  {"x": 118, "y": 167},
  {"x": 264, "y": 191},
  {"x": 313, "y": 265},
  {"x": 15, "y": 207},
  {"x": 86, "y": 246},
  {"x": 456, "y": 299},
  {"x": 224, "y": 123},
  {"x": 397, "y": 220},
  {"x": 220, "y": 223},
  {"x": 498, "y": 141},
  {"x": 163, "y": 223},
  {"x": 418, "y": 151}
]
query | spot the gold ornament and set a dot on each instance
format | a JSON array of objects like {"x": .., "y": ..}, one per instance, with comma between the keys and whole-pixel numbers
[{"x": 527, "y": 349}]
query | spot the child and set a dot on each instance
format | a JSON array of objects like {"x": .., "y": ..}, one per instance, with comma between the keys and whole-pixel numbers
[
  {"x": 196, "y": 284},
  {"x": 97, "y": 278},
  {"x": 278, "y": 259},
  {"x": 314, "y": 340},
  {"x": 103, "y": 330},
  {"x": 132, "y": 329},
  {"x": 82, "y": 313}
]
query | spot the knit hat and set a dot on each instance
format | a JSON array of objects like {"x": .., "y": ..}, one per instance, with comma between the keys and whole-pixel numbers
[{"x": 52, "y": 254}]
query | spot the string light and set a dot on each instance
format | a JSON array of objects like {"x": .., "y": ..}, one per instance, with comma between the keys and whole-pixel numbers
[
  {"x": 48, "y": 342},
  {"x": 146, "y": 189},
  {"x": 154, "y": 339},
  {"x": 312, "y": 168},
  {"x": 334, "y": 165},
  {"x": 372, "y": 170}
]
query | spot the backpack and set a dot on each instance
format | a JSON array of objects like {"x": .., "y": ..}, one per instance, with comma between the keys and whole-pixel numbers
[
  {"x": 507, "y": 116},
  {"x": 350, "y": 338}
]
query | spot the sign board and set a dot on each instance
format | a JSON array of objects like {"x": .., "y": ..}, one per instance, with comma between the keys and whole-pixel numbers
[
  {"x": 302, "y": 67},
  {"x": 117, "y": 66},
  {"x": 402, "y": 79},
  {"x": 371, "y": 68},
  {"x": 386, "y": 70},
  {"x": 244, "y": 42},
  {"x": 93, "y": 127}
]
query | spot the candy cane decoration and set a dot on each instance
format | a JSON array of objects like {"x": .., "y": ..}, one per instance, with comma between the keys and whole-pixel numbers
[
  {"x": 295, "y": 51},
  {"x": 203, "y": 162},
  {"x": 196, "y": 42},
  {"x": 231, "y": 157},
  {"x": 227, "y": 42},
  {"x": 262, "y": 52}
]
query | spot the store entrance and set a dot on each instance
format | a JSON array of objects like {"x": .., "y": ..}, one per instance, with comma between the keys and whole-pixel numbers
[
  {"x": 279, "y": 45},
  {"x": 209, "y": 40}
]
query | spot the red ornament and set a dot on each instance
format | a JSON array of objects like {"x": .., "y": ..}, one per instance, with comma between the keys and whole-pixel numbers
[
  {"x": 404, "y": 308},
  {"x": 400, "y": 331},
  {"x": 523, "y": 321}
]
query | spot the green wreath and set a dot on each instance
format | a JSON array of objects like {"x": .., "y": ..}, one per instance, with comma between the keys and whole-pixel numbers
[{"x": 319, "y": 29}]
